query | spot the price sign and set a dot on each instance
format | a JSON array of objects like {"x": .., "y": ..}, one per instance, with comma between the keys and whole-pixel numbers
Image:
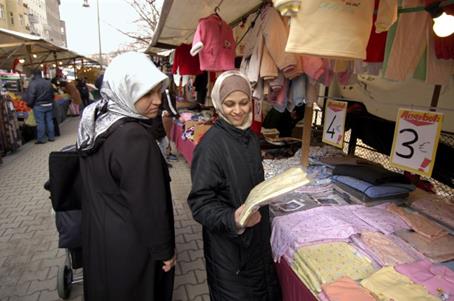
[
  {"x": 333, "y": 128},
  {"x": 416, "y": 140}
]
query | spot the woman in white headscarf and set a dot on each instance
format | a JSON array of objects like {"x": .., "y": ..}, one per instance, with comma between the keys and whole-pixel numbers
[
  {"x": 127, "y": 215},
  {"x": 225, "y": 167}
]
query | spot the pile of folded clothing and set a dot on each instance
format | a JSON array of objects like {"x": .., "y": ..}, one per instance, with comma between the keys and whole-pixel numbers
[{"x": 372, "y": 184}]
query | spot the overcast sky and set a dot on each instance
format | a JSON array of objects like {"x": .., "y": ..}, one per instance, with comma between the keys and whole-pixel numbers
[{"x": 82, "y": 28}]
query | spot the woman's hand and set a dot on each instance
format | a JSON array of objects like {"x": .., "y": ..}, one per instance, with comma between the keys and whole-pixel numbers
[
  {"x": 253, "y": 219},
  {"x": 169, "y": 264}
]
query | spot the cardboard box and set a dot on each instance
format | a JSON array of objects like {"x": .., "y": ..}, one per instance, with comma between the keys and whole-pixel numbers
[
  {"x": 200, "y": 130},
  {"x": 190, "y": 123}
]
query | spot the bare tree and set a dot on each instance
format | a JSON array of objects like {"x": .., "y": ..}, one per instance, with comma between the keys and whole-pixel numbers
[{"x": 148, "y": 17}]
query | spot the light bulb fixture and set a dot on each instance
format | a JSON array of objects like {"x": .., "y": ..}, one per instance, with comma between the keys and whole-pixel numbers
[
  {"x": 85, "y": 4},
  {"x": 21, "y": 61},
  {"x": 60, "y": 63},
  {"x": 443, "y": 23},
  {"x": 35, "y": 56}
]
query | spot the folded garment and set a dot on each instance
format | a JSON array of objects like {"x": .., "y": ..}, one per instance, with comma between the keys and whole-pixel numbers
[
  {"x": 387, "y": 284},
  {"x": 418, "y": 222},
  {"x": 366, "y": 191},
  {"x": 326, "y": 223},
  {"x": 437, "y": 279},
  {"x": 437, "y": 250},
  {"x": 373, "y": 174},
  {"x": 437, "y": 209},
  {"x": 346, "y": 289},
  {"x": 381, "y": 219},
  {"x": 384, "y": 249},
  {"x": 327, "y": 262}
]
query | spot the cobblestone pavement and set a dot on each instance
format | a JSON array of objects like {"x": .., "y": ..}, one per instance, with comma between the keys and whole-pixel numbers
[{"x": 29, "y": 254}]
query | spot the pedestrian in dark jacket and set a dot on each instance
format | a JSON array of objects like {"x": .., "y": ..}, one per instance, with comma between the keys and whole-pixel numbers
[
  {"x": 128, "y": 237},
  {"x": 226, "y": 166},
  {"x": 40, "y": 97},
  {"x": 81, "y": 85}
]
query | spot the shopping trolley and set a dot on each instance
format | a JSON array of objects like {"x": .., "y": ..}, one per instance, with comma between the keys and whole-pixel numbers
[{"x": 65, "y": 187}]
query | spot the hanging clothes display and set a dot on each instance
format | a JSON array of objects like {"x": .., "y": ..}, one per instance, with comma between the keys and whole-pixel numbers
[
  {"x": 10, "y": 135},
  {"x": 184, "y": 63},
  {"x": 409, "y": 42},
  {"x": 270, "y": 33},
  {"x": 336, "y": 28},
  {"x": 213, "y": 41}
]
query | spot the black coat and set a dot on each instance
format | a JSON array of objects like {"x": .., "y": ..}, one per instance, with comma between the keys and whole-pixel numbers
[
  {"x": 39, "y": 91},
  {"x": 225, "y": 167},
  {"x": 127, "y": 218}
]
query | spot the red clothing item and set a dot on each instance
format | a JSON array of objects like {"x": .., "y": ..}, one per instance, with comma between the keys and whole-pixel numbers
[
  {"x": 376, "y": 46},
  {"x": 377, "y": 41},
  {"x": 184, "y": 62}
]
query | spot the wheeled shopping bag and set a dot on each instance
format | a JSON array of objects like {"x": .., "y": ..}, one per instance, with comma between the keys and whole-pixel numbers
[{"x": 65, "y": 187}]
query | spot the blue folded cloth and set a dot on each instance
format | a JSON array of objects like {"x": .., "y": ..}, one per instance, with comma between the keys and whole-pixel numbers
[{"x": 385, "y": 190}]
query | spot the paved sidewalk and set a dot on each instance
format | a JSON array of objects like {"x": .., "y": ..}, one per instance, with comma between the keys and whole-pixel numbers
[{"x": 29, "y": 254}]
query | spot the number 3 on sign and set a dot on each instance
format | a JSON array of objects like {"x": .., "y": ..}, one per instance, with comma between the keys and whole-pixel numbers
[
  {"x": 415, "y": 141},
  {"x": 333, "y": 128}
]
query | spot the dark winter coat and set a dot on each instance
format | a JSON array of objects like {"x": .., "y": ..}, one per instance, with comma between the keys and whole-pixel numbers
[
  {"x": 39, "y": 92},
  {"x": 225, "y": 167},
  {"x": 127, "y": 218}
]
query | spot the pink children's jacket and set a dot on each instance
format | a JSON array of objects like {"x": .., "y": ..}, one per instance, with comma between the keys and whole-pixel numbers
[{"x": 214, "y": 42}]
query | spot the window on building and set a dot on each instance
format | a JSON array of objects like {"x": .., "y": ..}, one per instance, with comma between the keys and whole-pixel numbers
[
  {"x": 21, "y": 19},
  {"x": 2, "y": 11},
  {"x": 11, "y": 18}
]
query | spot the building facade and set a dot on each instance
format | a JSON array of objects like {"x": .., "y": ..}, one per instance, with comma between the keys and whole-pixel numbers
[
  {"x": 37, "y": 17},
  {"x": 13, "y": 15},
  {"x": 54, "y": 30}
]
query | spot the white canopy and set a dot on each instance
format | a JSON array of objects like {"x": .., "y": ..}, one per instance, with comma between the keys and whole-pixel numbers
[
  {"x": 179, "y": 18},
  {"x": 34, "y": 49}
]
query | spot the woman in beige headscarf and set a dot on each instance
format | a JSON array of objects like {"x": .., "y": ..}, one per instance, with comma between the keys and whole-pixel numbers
[{"x": 226, "y": 166}]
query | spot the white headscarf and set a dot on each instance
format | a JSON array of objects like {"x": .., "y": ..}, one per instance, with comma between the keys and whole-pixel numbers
[
  {"x": 128, "y": 77},
  {"x": 216, "y": 97}
]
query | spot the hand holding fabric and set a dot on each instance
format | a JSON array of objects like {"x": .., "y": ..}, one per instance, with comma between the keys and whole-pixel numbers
[{"x": 251, "y": 221}]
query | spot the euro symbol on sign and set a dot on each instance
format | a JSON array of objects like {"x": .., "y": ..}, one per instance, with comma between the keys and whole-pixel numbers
[{"x": 421, "y": 147}]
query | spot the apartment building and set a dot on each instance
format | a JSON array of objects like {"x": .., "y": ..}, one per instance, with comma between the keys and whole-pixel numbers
[{"x": 38, "y": 17}]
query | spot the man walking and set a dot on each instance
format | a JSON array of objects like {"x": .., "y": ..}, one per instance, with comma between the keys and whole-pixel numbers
[{"x": 40, "y": 97}]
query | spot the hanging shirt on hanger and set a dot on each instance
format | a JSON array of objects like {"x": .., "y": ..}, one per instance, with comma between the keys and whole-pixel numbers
[
  {"x": 214, "y": 42},
  {"x": 184, "y": 63},
  {"x": 336, "y": 28}
]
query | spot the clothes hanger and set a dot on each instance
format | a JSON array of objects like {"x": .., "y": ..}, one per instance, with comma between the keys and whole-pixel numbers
[{"x": 217, "y": 9}]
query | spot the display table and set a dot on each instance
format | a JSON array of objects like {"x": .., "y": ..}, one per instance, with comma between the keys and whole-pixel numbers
[
  {"x": 293, "y": 289},
  {"x": 184, "y": 147}
]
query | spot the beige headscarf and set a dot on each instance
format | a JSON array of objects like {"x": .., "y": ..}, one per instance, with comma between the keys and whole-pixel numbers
[{"x": 226, "y": 83}]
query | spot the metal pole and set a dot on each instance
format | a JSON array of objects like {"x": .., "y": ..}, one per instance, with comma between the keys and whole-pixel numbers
[{"x": 99, "y": 34}]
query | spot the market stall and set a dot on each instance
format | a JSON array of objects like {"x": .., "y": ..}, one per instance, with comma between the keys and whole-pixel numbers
[
  {"x": 358, "y": 231},
  {"x": 21, "y": 53}
]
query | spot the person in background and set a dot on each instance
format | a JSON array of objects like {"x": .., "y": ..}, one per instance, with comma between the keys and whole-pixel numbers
[
  {"x": 225, "y": 167},
  {"x": 128, "y": 231},
  {"x": 40, "y": 97},
  {"x": 200, "y": 85},
  {"x": 169, "y": 113},
  {"x": 81, "y": 85},
  {"x": 70, "y": 88}
]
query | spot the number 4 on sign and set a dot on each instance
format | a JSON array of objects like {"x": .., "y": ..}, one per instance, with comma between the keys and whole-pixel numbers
[
  {"x": 415, "y": 141},
  {"x": 333, "y": 128}
]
